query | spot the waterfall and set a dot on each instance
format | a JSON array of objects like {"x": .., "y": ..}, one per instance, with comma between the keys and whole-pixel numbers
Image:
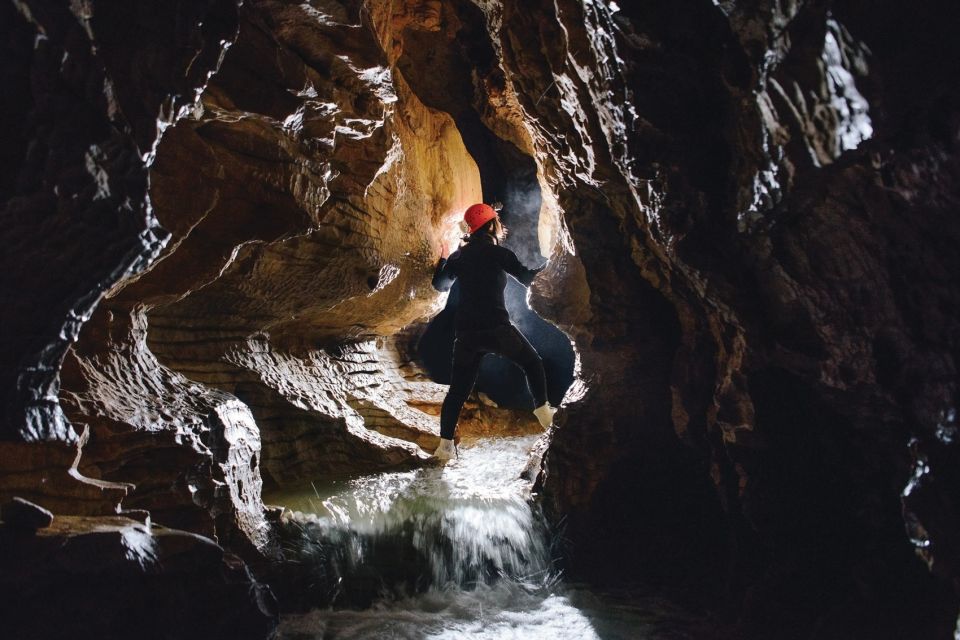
[
  {"x": 444, "y": 552},
  {"x": 458, "y": 526}
]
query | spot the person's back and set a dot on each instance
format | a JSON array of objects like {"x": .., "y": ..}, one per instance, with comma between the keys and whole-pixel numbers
[{"x": 481, "y": 267}]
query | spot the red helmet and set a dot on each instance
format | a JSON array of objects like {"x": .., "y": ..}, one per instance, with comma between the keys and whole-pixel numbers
[{"x": 478, "y": 215}]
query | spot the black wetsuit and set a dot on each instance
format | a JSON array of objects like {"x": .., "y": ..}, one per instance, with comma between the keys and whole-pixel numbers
[{"x": 482, "y": 322}]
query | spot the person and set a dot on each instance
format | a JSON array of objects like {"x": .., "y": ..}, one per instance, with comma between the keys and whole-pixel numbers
[{"x": 482, "y": 324}]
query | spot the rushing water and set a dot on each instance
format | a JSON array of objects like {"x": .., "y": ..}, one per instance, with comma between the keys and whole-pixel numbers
[{"x": 450, "y": 551}]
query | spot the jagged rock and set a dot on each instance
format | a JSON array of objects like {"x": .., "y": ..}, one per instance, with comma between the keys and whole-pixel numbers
[
  {"x": 204, "y": 446},
  {"x": 755, "y": 175},
  {"x": 83, "y": 117},
  {"x": 24, "y": 515},
  {"x": 329, "y": 144}
]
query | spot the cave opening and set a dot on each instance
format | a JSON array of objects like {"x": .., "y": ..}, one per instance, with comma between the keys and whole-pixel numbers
[{"x": 507, "y": 176}]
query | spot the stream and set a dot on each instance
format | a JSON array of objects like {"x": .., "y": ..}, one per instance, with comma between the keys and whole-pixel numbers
[{"x": 452, "y": 551}]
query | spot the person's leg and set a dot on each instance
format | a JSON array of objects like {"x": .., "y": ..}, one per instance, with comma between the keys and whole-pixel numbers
[
  {"x": 466, "y": 366},
  {"x": 512, "y": 345}
]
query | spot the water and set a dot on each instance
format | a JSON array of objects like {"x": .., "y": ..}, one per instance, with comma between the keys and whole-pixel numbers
[{"x": 448, "y": 552}]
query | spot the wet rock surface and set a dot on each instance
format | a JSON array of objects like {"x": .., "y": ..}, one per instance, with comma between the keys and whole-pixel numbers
[{"x": 218, "y": 221}]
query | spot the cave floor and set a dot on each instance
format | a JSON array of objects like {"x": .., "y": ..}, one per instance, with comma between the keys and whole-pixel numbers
[{"x": 456, "y": 550}]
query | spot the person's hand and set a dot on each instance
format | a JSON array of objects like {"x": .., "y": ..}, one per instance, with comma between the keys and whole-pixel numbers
[{"x": 444, "y": 249}]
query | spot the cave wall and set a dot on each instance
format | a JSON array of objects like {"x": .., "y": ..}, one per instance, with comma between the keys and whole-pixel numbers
[
  {"x": 219, "y": 218},
  {"x": 302, "y": 215},
  {"x": 758, "y": 165},
  {"x": 763, "y": 165},
  {"x": 75, "y": 172}
]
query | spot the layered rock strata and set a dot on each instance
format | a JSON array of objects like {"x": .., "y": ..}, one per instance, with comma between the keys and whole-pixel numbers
[{"x": 300, "y": 217}]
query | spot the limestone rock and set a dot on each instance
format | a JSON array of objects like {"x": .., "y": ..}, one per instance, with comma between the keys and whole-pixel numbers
[
  {"x": 47, "y": 475},
  {"x": 752, "y": 160},
  {"x": 291, "y": 213},
  {"x": 204, "y": 446},
  {"x": 87, "y": 99}
]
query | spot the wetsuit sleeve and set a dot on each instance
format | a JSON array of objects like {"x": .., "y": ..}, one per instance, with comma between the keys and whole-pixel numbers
[
  {"x": 444, "y": 276},
  {"x": 512, "y": 265}
]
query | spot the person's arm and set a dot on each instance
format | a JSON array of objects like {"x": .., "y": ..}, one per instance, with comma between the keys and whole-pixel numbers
[
  {"x": 444, "y": 276},
  {"x": 512, "y": 265}
]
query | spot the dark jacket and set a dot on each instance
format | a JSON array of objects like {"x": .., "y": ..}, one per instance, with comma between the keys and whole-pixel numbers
[{"x": 481, "y": 267}]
